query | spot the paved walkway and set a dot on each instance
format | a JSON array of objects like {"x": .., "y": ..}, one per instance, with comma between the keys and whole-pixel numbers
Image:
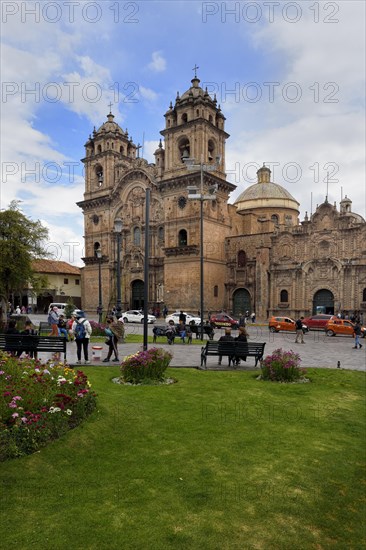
[{"x": 318, "y": 351}]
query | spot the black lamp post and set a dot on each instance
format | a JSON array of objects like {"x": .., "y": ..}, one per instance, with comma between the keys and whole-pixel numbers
[
  {"x": 118, "y": 232},
  {"x": 98, "y": 254},
  {"x": 198, "y": 194}
]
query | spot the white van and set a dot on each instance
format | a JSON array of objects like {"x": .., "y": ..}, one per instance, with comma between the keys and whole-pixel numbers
[{"x": 60, "y": 307}]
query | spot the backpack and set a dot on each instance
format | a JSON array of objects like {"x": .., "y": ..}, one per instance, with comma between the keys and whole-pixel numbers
[{"x": 80, "y": 331}]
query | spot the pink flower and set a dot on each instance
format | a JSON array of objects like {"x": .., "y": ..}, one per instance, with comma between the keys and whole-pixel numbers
[{"x": 15, "y": 415}]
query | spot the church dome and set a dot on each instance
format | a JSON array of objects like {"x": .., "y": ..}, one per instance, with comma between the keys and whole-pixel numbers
[
  {"x": 110, "y": 127},
  {"x": 265, "y": 194}
]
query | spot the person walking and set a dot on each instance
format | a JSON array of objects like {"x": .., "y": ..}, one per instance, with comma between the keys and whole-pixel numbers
[
  {"x": 253, "y": 317},
  {"x": 241, "y": 320},
  {"x": 357, "y": 333},
  {"x": 53, "y": 318},
  {"x": 182, "y": 317},
  {"x": 299, "y": 331},
  {"x": 82, "y": 330},
  {"x": 115, "y": 332}
]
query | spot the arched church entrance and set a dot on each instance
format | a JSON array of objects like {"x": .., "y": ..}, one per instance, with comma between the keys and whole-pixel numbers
[
  {"x": 241, "y": 302},
  {"x": 137, "y": 294},
  {"x": 323, "y": 302}
]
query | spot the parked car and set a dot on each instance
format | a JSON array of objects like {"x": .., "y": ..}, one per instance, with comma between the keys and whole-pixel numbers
[
  {"x": 223, "y": 320},
  {"x": 277, "y": 324},
  {"x": 343, "y": 327},
  {"x": 189, "y": 318},
  {"x": 317, "y": 322},
  {"x": 136, "y": 316}
]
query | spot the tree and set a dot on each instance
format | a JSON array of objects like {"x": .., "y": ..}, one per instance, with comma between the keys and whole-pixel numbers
[{"x": 21, "y": 241}]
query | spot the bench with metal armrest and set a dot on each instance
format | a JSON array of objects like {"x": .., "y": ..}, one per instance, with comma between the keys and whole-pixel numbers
[{"x": 233, "y": 349}]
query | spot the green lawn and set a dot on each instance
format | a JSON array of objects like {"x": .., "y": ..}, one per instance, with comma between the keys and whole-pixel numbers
[{"x": 216, "y": 461}]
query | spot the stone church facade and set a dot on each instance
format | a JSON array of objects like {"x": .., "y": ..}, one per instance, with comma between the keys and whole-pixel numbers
[{"x": 257, "y": 255}]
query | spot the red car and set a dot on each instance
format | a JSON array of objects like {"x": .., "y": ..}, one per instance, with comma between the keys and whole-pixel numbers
[
  {"x": 317, "y": 322},
  {"x": 223, "y": 320}
]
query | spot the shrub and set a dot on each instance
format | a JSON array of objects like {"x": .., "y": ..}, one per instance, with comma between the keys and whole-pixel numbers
[
  {"x": 38, "y": 403},
  {"x": 282, "y": 366},
  {"x": 145, "y": 365}
]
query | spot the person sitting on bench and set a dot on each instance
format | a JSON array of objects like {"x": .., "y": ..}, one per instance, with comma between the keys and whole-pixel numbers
[
  {"x": 242, "y": 337},
  {"x": 226, "y": 338},
  {"x": 170, "y": 332}
]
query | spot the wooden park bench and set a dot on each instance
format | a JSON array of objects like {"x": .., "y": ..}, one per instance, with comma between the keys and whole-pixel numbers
[
  {"x": 232, "y": 349},
  {"x": 207, "y": 329},
  {"x": 15, "y": 343},
  {"x": 162, "y": 331}
]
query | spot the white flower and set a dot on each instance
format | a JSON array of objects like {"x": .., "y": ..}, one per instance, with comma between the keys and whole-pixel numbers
[
  {"x": 69, "y": 412},
  {"x": 54, "y": 410}
]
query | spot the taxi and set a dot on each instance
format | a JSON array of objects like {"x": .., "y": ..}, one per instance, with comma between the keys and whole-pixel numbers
[
  {"x": 223, "y": 320},
  {"x": 342, "y": 327},
  {"x": 277, "y": 324}
]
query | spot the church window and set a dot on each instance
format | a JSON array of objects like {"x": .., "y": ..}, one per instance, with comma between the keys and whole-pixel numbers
[
  {"x": 121, "y": 150},
  {"x": 99, "y": 149},
  {"x": 184, "y": 148},
  {"x": 288, "y": 219},
  {"x": 283, "y": 296},
  {"x": 184, "y": 118},
  {"x": 216, "y": 291},
  {"x": 137, "y": 236},
  {"x": 161, "y": 233},
  {"x": 211, "y": 149},
  {"x": 99, "y": 174},
  {"x": 182, "y": 201},
  {"x": 182, "y": 238},
  {"x": 112, "y": 145},
  {"x": 198, "y": 112},
  {"x": 274, "y": 218},
  {"x": 242, "y": 258},
  {"x": 210, "y": 119},
  {"x": 364, "y": 295}
]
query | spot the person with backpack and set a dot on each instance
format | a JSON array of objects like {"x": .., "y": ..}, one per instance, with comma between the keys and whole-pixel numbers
[
  {"x": 81, "y": 328},
  {"x": 357, "y": 332},
  {"x": 115, "y": 332},
  {"x": 299, "y": 331}
]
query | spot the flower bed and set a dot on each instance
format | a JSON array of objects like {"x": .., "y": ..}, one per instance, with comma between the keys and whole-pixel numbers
[
  {"x": 144, "y": 366},
  {"x": 39, "y": 402},
  {"x": 282, "y": 366}
]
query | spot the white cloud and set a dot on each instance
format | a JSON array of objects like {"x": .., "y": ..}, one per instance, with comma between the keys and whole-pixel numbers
[
  {"x": 325, "y": 128},
  {"x": 148, "y": 94},
  {"x": 158, "y": 63}
]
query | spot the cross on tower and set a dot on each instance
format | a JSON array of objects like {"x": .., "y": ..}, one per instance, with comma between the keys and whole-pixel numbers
[
  {"x": 138, "y": 147},
  {"x": 110, "y": 107},
  {"x": 195, "y": 70}
]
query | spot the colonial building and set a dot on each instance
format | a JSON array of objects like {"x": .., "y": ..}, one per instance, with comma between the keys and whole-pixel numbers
[
  {"x": 60, "y": 282},
  {"x": 257, "y": 255}
]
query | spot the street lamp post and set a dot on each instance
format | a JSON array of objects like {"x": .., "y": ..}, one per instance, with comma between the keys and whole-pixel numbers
[
  {"x": 194, "y": 195},
  {"x": 118, "y": 232},
  {"x": 98, "y": 254}
]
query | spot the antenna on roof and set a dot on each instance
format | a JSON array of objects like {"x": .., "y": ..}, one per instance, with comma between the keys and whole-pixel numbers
[{"x": 311, "y": 203}]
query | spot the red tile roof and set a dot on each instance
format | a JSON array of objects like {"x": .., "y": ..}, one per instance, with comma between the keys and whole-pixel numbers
[{"x": 52, "y": 266}]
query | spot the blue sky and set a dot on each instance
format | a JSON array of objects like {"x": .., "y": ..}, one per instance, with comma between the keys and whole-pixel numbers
[{"x": 290, "y": 78}]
